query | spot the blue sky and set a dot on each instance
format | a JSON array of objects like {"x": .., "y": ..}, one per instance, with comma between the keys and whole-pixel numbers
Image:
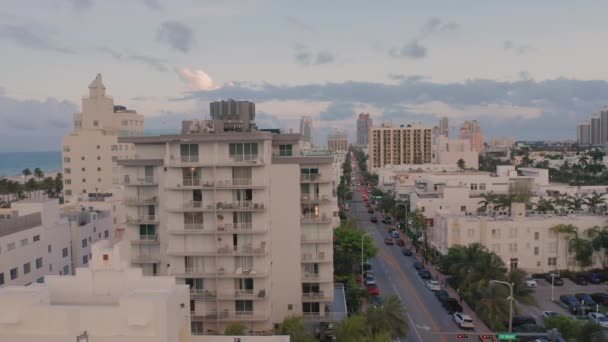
[{"x": 526, "y": 70}]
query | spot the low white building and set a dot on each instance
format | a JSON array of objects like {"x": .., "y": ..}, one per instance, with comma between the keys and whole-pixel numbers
[
  {"x": 34, "y": 242},
  {"x": 401, "y": 179},
  {"x": 523, "y": 239}
]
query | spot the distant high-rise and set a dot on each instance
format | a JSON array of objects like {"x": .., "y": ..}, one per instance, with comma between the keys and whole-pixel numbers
[
  {"x": 400, "y": 145},
  {"x": 444, "y": 128},
  {"x": 471, "y": 130},
  {"x": 596, "y": 130},
  {"x": 583, "y": 133},
  {"x": 337, "y": 142},
  {"x": 604, "y": 125},
  {"x": 364, "y": 123},
  {"x": 306, "y": 128},
  {"x": 241, "y": 114}
]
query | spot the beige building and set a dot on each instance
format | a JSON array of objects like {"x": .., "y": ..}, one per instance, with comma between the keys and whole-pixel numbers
[
  {"x": 501, "y": 142},
  {"x": 244, "y": 218},
  {"x": 337, "y": 142},
  {"x": 450, "y": 151},
  {"x": 411, "y": 144},
  {"x": 471, "y": 130},
  {"x": 91, "y": 151}
]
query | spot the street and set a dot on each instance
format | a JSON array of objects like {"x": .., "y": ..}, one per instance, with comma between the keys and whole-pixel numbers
[{"x": 396, "y": 275}]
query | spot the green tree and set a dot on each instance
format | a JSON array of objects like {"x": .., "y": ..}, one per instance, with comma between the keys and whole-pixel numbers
[
  {"x": 574, "y": 330},
  {"x": 565, "y": 229},
  {"x": 599, "y": 242},
  {"x": 521, "y": 292},
  {"x": 236, "y": 329},
  {"x": 461, "y": 164},
  {"x": 576, "y": 202},
  {"x": 38, "y": 173},
  {"x": 545, "y": 205},
  {"x": 594, "y": 201},
  {"x": 352, "y": 329},
  {"x": 347, "y": 247},
  {"x": 488, "y": 200},
  {"x": 295, "y": 328},
  {"x": 26, "y": 172},
  {"x": 388, "y": 318},
  {"x": 493, "y": 307},
  {"x": 582, "y": 249}
]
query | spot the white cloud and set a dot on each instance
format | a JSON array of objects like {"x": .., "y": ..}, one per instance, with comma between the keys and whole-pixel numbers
[{"x": 195, "y": 79}]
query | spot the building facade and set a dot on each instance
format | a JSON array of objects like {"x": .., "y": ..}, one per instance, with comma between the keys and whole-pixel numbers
[
  {"x": 450, "y": 151},
  {"x": 596, "y": 130},
  {"x": 444, "y": 127},
  {"x": 306, "y": 128},
  {"x": 411, "y": 144},
  {"x": 91, "y": 151},
  {"x": 471, "y": 130},
  {"x": 337, "y": 142},
  {"x": 236, "y": 115},
  {"x": 364, "y": 123},
  {"x": 244, "y": 218},
  {"x": 583, "y": 133}
]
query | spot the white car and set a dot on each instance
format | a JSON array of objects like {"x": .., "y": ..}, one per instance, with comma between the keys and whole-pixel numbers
[
  {"x": 599, "y": 318},
  {"x": 370, "y": 280},
  {"x": 433, "y": 285},
  {"x": 463, "y": 321},
  {"x": 530, "y": 282}
]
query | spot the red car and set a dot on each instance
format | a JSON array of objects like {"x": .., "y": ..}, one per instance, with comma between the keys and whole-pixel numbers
[
  {"x": 389, "y": 241},
  {"x": 373, "y": 290},
  {"x": 400, "y": 242},
  {"x": 367, "y": 205}
]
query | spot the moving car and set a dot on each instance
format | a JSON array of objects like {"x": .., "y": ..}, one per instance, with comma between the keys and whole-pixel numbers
[
  {"x": 584, "y": 297},
  {"x": 529, "y": 281},
  {"x": 573, "y": 304},
  {"x": 600, "y": 298},
  {"x": 400, "y": 242},
  {"x": 370, "y": 211},
  {"x": 367, "y": 205},
  {"x": 463, "y": 321},
  {"x": 395, "y": 234},
  {"x": 425, "y": 274},
  {"x": 370, "y": 280},
  {"x": 387, "y": 220},
  {"x": 550, "y": 314},
  {"x": 557, "y": 280},
  {"x": 373, "y": 290},
  {"x": 406, "y": 252},
  {"x": 418, "y": 265},
  {"x": 433, "y": 285},
  {"x": 452, "y": 305},
  {"x": 389, "y": 242},
  {"x": 374, "y": 219},
  {"x": 598, "y": 318}
]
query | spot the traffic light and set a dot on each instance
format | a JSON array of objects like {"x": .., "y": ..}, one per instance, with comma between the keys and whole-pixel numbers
[
  {"x": 461, "y": 336},
  {"x": 485, "y": 337}
]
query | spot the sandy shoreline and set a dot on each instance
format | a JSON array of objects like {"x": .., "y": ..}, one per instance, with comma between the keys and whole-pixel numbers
[{"x": 21, "y": 178}]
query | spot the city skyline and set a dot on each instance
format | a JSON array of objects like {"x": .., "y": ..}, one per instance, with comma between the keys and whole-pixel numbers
[{"x": 415, "y": 63}]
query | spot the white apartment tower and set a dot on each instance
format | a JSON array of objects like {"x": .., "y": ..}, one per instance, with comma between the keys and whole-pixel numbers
[
  {"x": 411, "y": 144},
  {"x": 583, "y": 133},
  {"x": 91, "y": 151},
  {"x": 242, "y": 217},
  {"x": 306, "y": 128}
]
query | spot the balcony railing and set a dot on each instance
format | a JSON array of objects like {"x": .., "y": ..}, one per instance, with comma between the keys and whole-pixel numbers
[
  {"x": 147, "y": 180},
  {"x": 239, "y": 205},
  {"x": 313, "y": 295},
  {"x": 142, "y": 219},
  {"x": 235, "y": 226},
  {"x": 148, "y": 237},
  {"x": 313, "y": 177},
  {"x": 186, "y": 158},
  {"x": 245, "y": 158},
  {"x": 191, "y": 181},
  {"x": 145, "y": 259},
  {"x": 193, "y": 205},
  {"x": 230, "y": 316},
  {"x": 314, "y": 257},
  {"x": 230, "y": 183},
  {"x": 194, "y": 226},
  {"x": 323, "y": 218},
  {"x": 202, "y": 293},
  {"x": 317, "y": 238},
  {"x": 311, "y": 198},
  {"x": 141, "y": 201},
  {"x": 221, "y": 272}
]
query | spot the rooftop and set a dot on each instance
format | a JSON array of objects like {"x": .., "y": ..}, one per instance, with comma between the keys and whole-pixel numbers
[{"x": 20, "y": 223}]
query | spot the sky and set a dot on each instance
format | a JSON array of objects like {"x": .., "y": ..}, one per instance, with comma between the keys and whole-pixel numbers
[{"x": 527, "y": 70}]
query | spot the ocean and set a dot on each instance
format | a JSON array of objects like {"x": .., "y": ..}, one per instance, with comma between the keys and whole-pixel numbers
[{"x": 12, "y": 163}]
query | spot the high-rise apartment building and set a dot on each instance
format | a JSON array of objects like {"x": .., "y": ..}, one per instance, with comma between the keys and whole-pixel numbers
[
  {"x": 411, "y": 144},
  {"x": 471, "y": 130},
  {"x": 444, "y": 127},
  {"x": 91, "y": 151},
  {"x": 364, "y": 123},
  {"x": 306, "y": 128},
  {"x": 583, "y": 133},
  {"x": 236, "y": 115},
  {"x": 245, "y": 218},
  {"x": 337, "y": 142},
  {"x": 596, "y": 130},
  {"x": 604, "y": 125}
]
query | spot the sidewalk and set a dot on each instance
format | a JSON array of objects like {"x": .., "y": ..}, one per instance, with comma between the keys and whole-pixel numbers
[{"x": 480, "y": 326}]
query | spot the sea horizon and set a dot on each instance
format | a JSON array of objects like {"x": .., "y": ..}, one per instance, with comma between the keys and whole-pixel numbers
[{"x": 13, "y": 163}]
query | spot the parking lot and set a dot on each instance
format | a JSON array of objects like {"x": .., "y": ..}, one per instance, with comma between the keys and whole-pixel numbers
[{"x": 542, "y": 294}]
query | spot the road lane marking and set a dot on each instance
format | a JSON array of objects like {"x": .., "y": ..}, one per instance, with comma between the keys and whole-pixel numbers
[{"x": 415, "y": 328}]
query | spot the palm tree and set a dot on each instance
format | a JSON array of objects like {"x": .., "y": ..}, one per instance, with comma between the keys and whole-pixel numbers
[
  {"x": 461, "y": 164},
  {"x": 583, "y": 160},
  {"x": 583, "y": 251},
  {"x": 493, "y": 307},
  {"x": 521, "y": 292},
  {"x": 488, "y": 200},
  {"x": 389, "y": 318},
  {"x": 567, "y": 229},
  {"x": 594, "y": 201},
  {"x": 353, "y": 328},
  {"x": 38, "y": 173},
  {"x": 576, "y": 202},
  {"x": 599, "y": 241},
  {"x": 545, "y": 205},
  {"x": 294, "y": 327},
  {"x": 236, "y": 329},
  {"x": 26, "y": 172}
]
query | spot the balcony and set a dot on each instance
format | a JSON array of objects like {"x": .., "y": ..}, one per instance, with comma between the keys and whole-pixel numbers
[
  {"x": 313, "y": 296},
  {"x": 229, "y": 316},
  {"x": 237, "y": 206},
  {"x": 316, "y": 277},
  {"x": 202, "y": 294},
  {"x": 315, "y": 219},
  {"x": 146, "y": 239},
  {"x": 140, "y": 181},
  {"x": 245, "y": 250},
  {"x": 221, "y": 272},
  {"x": 315, "y": 258},
  {"x": 314, "y": 178},
  {"x": 143, "y": 219},
  {"x": 245, "y": 159},
  {"x": 317, "y": 238},
  {"x": 234, "y": 183},
  {"x": 145, "y": 259},
  {"x": 141, "y": 201},
  {"x": 315, "y": 199},
  {"x": 226, "y": 228}
]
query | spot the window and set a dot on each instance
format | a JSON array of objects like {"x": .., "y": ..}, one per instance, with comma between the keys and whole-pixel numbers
[
  {"x": 496, "y": 248},
  {"x": 196, "y": 328},
  {"x": 66, "y": 269},
  {"x": 66, "y": 148},
  {"x": 99, "y": 180},
  {"x": 66, "y": 159},
  {"x": 38, "y": 263},
  {"x": 482, "y": 186},
  {"x": 68, "y": 170},
  {"x": 36, "y": 238},
  {"x": 49, "y": 249},
  {"x": 85, "y": 259},
  {"x": 473, "y": 186},
  {"x": 243, "y": 307},
  {"x": 40, "y": 280},
  {"x": 84, "y": 243},
  {"x": 27, "y": 268},
  {"x": 106, "y": 234},
  {"x": 98, "y": 169},
  {"x": 463, "y": 208},
  {"x": 84, "y": 180},
  {"x": 115, "y": 159},
  {"x": 552, "y": 261},
  {"x": 285, "y": 150},
  {"x": 67, "y": 181},
  {"x": 243, "y": 151},
  {"x": 513, "y": 247},
  {"x": 14, "y": 273},
  {"x": 513, "y": 232},
  {"x": 95, "y": 123},
  {"x": 84, "y": 169},
  {"x": 82, "y": 158},
  {"x": 10, "y": 246},
  {"x": 98, "y": 147},
  {"x": 422, "y": 209},
  {"x": 98, "y": 158},
  {"x": 536, "y": 250},
  {"x": 1, "y": 279},
  {"x": 536, "y": 236},
  {"x": 89, "y": 239},
  {"x": 68, "y": 192}
]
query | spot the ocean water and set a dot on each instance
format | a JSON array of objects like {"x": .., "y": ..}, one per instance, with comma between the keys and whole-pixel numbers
[{"x": 12, "y": 163}]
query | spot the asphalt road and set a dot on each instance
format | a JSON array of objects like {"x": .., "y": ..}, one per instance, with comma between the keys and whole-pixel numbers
[{"x": 396, "y": 275}]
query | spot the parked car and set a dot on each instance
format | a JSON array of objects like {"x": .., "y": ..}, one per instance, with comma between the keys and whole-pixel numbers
[
  {"x": 529, "y": 281},
  {"x": 395, "y": 234},
  {"x": 425, "y": 274},
  {"x": 374, "y": 219},
  {"x": 573, "y": 304},
  {"x": 549, "y": 314},
  {"x": 400, "y": 242},
  {"x": 370, "y": 210},
  {"x": 592, "y": 278},
  {"x": 367, "y": 266},
  {"x": 598, "y": 318},
  {"x": 600, "y": 298},
  {"x": 387, "y": 220},
  {"x": 376, "y": 301},
  {"x": 557, "y": 280},
  {"x": 589, "y": 302},
  {"x": 452, "y": 305},
  {"x": 406, "y": 252},
  {"x": 370, "y": 280},
  {"x": 463, "y": 321},
  {"x": 433, "y": 285},
  {"x": 442, "y": 295},
  {"x": 521, "y": 320},
  {"x": 373, "y": 290},
  {"x": 389, "y": 242},
  {"x": 579, "y": 279},
  {"x": 367, "y": 205},
  {"x": 391, "y": 230},
  {"x": 418, "y": 265}
]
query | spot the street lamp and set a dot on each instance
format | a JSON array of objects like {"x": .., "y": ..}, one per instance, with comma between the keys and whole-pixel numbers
[
  {"x": 510, "y": 301},
  {"x": 552, "y": 281},
  {"x": 362, "y": 237}
]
